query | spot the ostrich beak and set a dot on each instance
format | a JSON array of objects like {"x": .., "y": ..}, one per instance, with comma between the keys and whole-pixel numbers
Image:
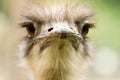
[{"x": 62, "y": 29}]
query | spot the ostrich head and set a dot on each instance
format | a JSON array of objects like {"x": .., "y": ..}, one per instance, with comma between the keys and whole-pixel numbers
[{"x": 56, "y": 46}]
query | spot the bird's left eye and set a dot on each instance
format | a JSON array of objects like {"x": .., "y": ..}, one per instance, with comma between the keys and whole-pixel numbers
[{"x": 85, "y": 29}]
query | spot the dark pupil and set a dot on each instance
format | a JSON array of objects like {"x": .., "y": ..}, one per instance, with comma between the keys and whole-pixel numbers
[
  {"x": 85, "y": 29},
  {"x": 31, "y": 28}
]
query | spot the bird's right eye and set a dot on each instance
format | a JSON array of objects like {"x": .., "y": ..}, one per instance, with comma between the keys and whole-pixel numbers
[{"x": 30, "y": 28}]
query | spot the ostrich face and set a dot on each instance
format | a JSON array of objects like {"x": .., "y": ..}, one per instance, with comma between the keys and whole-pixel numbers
[{"x": 56, "y": 45}]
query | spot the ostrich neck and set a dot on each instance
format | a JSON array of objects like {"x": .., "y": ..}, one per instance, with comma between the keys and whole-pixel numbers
[{"x": 59, "y": 61}]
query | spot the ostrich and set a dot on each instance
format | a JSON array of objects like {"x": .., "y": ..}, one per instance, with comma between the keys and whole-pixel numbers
[{"x": 56, "y": 46}]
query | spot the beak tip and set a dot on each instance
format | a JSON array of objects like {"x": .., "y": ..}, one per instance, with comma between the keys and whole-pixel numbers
[{"x": 63, "y": 35}]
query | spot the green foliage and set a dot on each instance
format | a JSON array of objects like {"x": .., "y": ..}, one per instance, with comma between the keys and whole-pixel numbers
[
  {"x": 1, "y": 5},
  {"x": 107, "y": 32}
]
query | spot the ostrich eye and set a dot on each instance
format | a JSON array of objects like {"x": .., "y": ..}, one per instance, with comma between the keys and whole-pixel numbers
[
  {"x": 30, "y": 28},
  {"x": 85, "y": 29}
]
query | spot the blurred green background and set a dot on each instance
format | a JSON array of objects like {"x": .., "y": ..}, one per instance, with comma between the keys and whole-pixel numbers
[{"x": 106, "y": 36}]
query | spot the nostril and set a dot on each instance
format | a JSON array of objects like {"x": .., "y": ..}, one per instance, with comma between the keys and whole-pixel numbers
[
  {"x": 71, "y": 28},
  {"x": 50, "y": 29}
]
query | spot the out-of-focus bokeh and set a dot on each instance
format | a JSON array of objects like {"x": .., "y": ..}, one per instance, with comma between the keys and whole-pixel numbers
[{"x": 106, "y": 35}]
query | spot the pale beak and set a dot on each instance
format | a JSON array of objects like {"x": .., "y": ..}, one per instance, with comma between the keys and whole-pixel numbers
[{"x": 61, "y": 29}]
